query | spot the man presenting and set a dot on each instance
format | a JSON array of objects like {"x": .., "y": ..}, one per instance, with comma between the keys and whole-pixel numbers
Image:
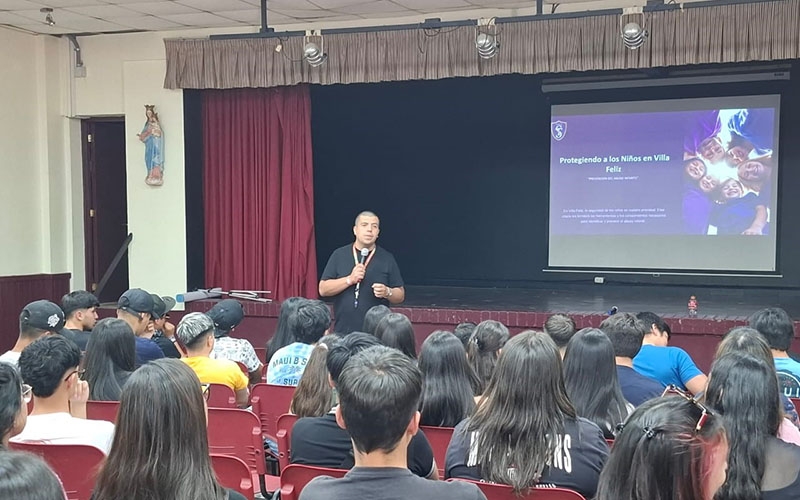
[{"x": 360, "y": 276}]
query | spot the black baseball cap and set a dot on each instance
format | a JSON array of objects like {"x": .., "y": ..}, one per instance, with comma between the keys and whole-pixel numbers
[
  {"x": 226, "y": 315},
  {"x": 43, "y": 315},
  {"x": 137, "y": 301},
  {"x": 162, "y": 305}
]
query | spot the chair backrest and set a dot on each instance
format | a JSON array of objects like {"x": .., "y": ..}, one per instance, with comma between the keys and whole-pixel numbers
[
  {"x": 439, "y": 438},
  {"x": 75, "y": 464},
  {"x": 237, "y": 433},
  {"x": 233, "y": 473},
  {"x": 504, "y": 492},
  {"x": 284, "y": 438},
  {"x": 221, "y": 396},
  {"x": 102, "y": 410},
  {"x": 295, "y": 477},
  {"x": 796, "y": 403},
  {"x": 243, "y": 367},
  {"x": 270, "y": 402},
  {"x": 261, "y": 354}
]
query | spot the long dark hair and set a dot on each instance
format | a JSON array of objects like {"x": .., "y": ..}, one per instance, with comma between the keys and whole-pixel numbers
[
  {"x": 314, "y": 396},
  {"x": 10, "y": 400},
  {"x": 744, "y": 389},
  {"x": 659, "y": 455},
  {"x": 590, "y": 376},
  {"x": 447, "y": 397},
  {"x": 283, "y": 332},
  {"x": 110, "y": 356},
  {"x": 522, "y": 412},
  {"x": 395, "y": 330},
  {"x": 746, "y": 340},
  {"x": 160, "y": 447},
  {"x": 483, "y": 349}
]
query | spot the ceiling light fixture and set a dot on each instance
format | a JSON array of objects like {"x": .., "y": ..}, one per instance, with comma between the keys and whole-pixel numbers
[
  {"x": 486, "y": 39},
  {"x": 48, "y": 18},
  {"x": 314, "y": 49},
  {"x": 631, "y": 29}
]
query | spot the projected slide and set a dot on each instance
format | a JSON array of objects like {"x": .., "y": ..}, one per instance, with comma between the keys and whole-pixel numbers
[{"x": 684, "y": 184}]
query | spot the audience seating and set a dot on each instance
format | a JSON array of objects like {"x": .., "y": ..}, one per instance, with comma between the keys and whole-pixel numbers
[
  {"x": 261, "y": 354},
  {"x": 439, "y": 438},
  {"x": 221, "y": 396},
  {"x": 233, "y": 473},
  {"x": 243, "y": 368},
  {"x": 795, "y": 402},
  {"x": 270, "y": 402},
  {"x": 284, "y": 438},
  {"x": 76, "y": 465},
  {"x": 237, "y": 433},
  {"x": 504, "y": 492},
  {"x": 295, "y": 477},
  {"x": 102, "y": 410}
]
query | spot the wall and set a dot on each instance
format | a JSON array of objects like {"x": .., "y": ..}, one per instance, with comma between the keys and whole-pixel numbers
[
  {"x": 458, "y": 170},
  {"x": 156, "y": 215},
  {"x": 19, "y": 191}
]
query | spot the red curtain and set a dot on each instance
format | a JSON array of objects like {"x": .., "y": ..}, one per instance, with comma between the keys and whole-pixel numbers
[{"x": 258, "y": 189}]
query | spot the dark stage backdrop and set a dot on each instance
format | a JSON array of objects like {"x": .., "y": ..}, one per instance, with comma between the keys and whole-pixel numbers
[{"x": 458, "y": 172}]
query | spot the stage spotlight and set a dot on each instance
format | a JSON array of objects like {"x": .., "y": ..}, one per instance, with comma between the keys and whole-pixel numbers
[
  {"x": 314, "y": 54},
  {"x": 633, "y": 35},
  {"x": 48, "y": 18},
  {"x": 487, "y": 45}
]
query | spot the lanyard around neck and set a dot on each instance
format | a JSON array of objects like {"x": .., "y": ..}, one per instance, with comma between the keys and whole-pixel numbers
[{"x": 356, "y": 255}]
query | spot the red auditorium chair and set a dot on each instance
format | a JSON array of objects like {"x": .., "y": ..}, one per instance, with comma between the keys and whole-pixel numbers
[
  {"x": 221, "y": 396},
  {"x": 261, "y": 354},
  {"x": 75, "y": 464},
  {"x": 237, "y": 433},
  {"x": 269, "y": 403},
  {"x": 102, "y": 410},
  {"x": 295, "y": 477},
  {"x": 795, "y": 402},
  {"x": 504, "y": 492},
  {"x": 284, "y": 438},
  {"x": 439, "y": 437},
  {"x": 233, "y": 473}
]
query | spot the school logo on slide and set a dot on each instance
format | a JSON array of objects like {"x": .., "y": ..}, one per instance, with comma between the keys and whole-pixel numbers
[{"x": 558, "y": 129}]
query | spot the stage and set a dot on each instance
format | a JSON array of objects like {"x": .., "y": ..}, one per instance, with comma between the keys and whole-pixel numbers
[{"x": 440, "y": 308}]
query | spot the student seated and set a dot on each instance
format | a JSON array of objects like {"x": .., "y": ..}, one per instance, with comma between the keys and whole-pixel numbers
[
  {"x": 110, "y": 359},
  {"x": 525, "y": 432},
  {"x": 226, "y": 315},
  {"x": 776, "y": 326},
  {"x": 38, "y": 318},
  {"x": 196, "y": 333},
  {"x": 160, "y": 449},
  {"x": 448, "y": 395},
  {"x": 743, "y": 389},
  {"x": 14, "y": 398},
  {"x": 308, "y": 324},
  {"x": 50, "y": 367},
  {"x": 626, "y": 333},
  {"x": 667, "y": 364},
  {"x": 137, "y": 308},
  {"x": 320, "y": 441},
  {"x": 80, "y": 310},
  {"x": 24, "y": 476},
  {"x": 379, "y": 391},
  {"x": 670, "y": 448}
]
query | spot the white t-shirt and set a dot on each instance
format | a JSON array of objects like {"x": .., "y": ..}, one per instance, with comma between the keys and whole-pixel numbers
[
  {"x": 63, "y": 428},
  {"x": 10, "y": 357}
]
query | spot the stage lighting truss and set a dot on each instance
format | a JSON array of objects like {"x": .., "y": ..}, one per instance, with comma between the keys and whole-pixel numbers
[
  {"x": 632, "y": 28},
  {"x": 314, "y": 49},
  {"x": 486, "y": 39}
]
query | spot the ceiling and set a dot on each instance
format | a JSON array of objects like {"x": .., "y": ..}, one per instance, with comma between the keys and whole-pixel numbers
[{"x": 106, "y": 16}]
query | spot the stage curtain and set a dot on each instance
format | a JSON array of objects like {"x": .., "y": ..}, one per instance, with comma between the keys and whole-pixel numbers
[
  {"x": 680, "y": 34},
  {"x": 258, "y": 191}
]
